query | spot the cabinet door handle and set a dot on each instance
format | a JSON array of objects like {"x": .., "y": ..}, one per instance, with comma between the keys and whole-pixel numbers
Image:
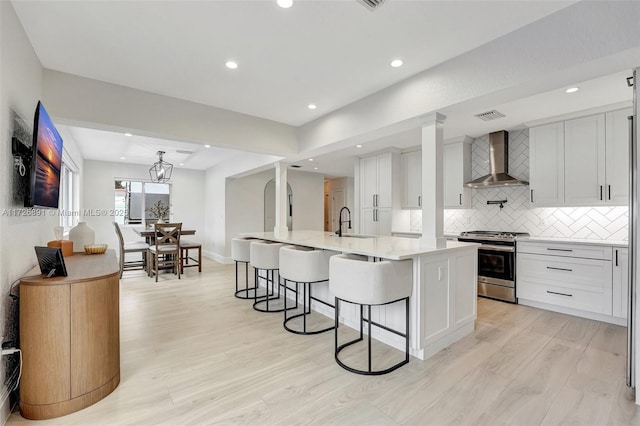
[
  {"x": 559, "y": 269},
  {"x": 377, "y": 200},
  {"x": 556, "y": 249},
  {"x": 419, "y": 200},
  {"x": 460, "y": 199},
  {"x": 373, "y": 200},
  {"x": 375, "y": 215},
  {"x": 532, "y": 195},
  {"x": 560, "y": 294},
  {"x": 609, "y": 192},
  {"x": 600, "y": 192},
  {"x": 616, "y": 257}
]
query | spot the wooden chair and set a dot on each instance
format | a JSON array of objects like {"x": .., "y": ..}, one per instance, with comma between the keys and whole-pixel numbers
[
  {"x": 131, "y": 247},
  {"x": 166, "y": 250},
  {"x": 185, "y": 246}
]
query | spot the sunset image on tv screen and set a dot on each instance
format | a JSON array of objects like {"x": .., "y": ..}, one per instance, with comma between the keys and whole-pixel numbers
[{"x": 48, "y": 162}]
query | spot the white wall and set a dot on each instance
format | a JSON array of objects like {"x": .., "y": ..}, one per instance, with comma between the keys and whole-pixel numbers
[
  {"x": 245, "y": 203},
  {"x": 187, "y": 202},
  {"x": 20, "y": 90}
]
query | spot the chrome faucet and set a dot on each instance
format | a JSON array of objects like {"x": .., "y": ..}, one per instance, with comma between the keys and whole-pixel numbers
[{"x": 340, "y": 222}]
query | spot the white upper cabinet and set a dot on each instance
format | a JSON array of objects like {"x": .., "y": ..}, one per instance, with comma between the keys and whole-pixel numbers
[
  {"x": 378, "y": 175},
  {"x": 546, "y": 161},
  {"x": 412, "y": 173},
  {"x": 581, "y": 162},
  {"x": 376, "y": 181},
  {"x": 617, "y": 160},
  {"x": 457, "y": 172},
  {"x": 584, "y": 161}
]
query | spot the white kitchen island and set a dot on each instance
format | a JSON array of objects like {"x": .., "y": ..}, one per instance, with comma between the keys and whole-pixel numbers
[{"x": 443, "y": 300}]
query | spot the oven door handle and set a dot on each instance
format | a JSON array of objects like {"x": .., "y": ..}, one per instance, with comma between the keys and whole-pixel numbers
[{"x": 508, "y": 249}]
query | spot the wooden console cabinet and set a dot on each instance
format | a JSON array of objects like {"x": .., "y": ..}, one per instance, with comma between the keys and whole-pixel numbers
[{"x": 70, "y": 336}]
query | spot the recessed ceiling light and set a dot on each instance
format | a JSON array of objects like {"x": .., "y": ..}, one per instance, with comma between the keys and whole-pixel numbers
[
  {"x": 358, "y": 146},
  {"x": 572, "y": 89},
  {"x": 312, "y": 106},
  {"x": 396, "y": 63},
  {"x": 315, "y": 168},
  {"x": 310, "y": 159},
  {"x": 123, "y": 158},
  {"x": 182, "y": 164},
  {"x": 231, "y": 65},
  {"x": 128, "y": 134},
  {"x": 285, "y": 4},
  {"x": 207, "y": 146}
]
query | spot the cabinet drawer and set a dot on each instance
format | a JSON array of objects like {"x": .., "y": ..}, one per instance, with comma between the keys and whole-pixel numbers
[
  {"x": 592, "y": 301},
  {"x": 575, "y": 273},
  {"x": 565, "y": 249}
]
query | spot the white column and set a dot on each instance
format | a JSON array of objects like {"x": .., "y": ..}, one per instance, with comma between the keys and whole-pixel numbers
[
  {"x": 281, "y": 199},
  {"x": 432, "y": 181}
]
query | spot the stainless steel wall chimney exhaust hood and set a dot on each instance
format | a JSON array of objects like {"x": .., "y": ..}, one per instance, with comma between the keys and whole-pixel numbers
[{"x": 498, "y": 164}]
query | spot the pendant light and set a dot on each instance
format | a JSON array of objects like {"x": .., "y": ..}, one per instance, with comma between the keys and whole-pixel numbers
[{"x": 161, "y": 170}]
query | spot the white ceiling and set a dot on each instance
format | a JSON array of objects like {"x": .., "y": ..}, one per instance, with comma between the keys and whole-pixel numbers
[{"x": 330, "y": 53}]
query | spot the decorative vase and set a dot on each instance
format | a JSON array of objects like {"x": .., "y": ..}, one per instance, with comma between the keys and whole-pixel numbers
[{"x": 81, "y": 235}]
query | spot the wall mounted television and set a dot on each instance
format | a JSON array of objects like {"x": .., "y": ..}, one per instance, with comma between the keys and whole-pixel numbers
[{"x": 46, "y": 162}]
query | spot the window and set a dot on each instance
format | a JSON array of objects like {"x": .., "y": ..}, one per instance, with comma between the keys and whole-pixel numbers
[
  {"x": 68, "y": 189},
  {"x": 133, "y": 199}
]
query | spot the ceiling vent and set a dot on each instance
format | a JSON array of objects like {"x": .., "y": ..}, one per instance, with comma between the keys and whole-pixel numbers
[
  {"x": 490, "y": 115},
  {"x": 371, "y": 4},
  {"x": 184, "y": 151}
]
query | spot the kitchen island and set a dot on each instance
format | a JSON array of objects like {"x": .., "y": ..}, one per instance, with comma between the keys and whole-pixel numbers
[{"x": 443, "y": 300}]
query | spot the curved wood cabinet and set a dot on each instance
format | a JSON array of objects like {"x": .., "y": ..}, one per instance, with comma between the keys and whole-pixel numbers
[{"x": 70, "y": 336}]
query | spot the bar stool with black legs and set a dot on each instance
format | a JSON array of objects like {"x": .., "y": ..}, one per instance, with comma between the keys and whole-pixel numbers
[
  {"x": 241, "y": 253},
  {"x": 354, "y": 280},
  {"x": 306, "y": 266},
  {"x": 265, "y": 256}
]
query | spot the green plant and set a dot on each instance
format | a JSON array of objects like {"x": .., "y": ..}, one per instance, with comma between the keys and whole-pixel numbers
[{"x": 159, "y": 210}]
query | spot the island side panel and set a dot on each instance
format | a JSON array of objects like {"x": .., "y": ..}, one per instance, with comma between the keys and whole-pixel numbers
[
  {"x": 46, "y": 344},
  {"x": 448, "y": 299},
  {"x": 95, "y": 327}
]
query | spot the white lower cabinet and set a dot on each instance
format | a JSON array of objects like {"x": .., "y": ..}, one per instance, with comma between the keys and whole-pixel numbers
[
  {"x": 620, "y": 282},
  {"x": 577, "y": 279},
  {"x": 377, "y": 221}
]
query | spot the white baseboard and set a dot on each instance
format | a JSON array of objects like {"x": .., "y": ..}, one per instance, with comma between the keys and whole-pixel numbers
[
  {"x": 575, "y": 312},
  {"x": 215, "y": 256}
]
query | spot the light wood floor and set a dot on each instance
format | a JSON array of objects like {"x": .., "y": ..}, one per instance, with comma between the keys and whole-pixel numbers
[{"x": 193, "y": 354}]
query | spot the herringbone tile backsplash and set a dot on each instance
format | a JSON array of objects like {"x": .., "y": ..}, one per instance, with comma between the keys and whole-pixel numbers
[{"x": 599, "y": 223}]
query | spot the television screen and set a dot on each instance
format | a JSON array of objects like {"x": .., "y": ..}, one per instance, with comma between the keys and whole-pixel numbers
[
  {"x": 51, "y": 261},
  {"x": 46, "y": 162}
]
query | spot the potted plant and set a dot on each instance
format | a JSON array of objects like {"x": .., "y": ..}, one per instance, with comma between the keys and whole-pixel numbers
[{"x": 159, "y": 210}]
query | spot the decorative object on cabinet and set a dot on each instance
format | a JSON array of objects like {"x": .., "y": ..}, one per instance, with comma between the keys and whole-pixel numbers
[{"x": 82, "y": 235}]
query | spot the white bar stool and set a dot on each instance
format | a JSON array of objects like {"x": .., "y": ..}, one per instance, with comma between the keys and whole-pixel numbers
[
  {"x": 306, "y": 266},
  {"x": 355, "y": 280},
  {"x": 265, "y": 256},
  {"x": 241, "y": 253}
]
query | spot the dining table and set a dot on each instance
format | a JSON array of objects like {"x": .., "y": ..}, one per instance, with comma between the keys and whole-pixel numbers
[{"x": 149, "y": 234}]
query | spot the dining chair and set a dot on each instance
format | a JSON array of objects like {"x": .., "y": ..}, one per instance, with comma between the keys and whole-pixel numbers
[
  {"x": 166, "y": 250},
  {"x": 128, "y": 248}
]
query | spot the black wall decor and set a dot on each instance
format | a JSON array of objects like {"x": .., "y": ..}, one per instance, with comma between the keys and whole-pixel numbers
[{"x": 21, "y": 140}]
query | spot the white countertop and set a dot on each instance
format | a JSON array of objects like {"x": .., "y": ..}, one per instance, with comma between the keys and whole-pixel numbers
[
  {"x": 393, "y": 248},
  {"x": 621, "y": 243}
]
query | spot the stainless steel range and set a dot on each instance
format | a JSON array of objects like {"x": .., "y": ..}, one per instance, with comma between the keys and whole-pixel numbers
[{"x": 496, "y": 262}]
